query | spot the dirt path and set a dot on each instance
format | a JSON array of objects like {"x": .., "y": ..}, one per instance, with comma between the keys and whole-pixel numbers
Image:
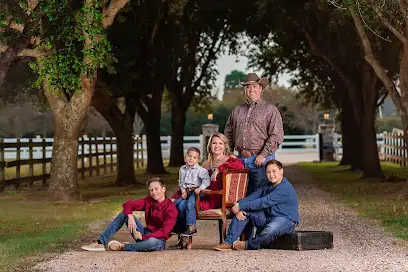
[{"x": 359, "y": 245}]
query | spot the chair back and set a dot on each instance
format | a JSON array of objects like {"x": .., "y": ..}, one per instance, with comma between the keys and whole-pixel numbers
[{"x": 235, "y": 185}]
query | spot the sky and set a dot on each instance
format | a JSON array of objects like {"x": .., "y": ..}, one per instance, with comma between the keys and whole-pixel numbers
[{"x": 227, "y": 63}]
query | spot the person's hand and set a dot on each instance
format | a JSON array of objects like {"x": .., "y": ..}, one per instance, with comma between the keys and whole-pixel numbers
[
  {"x": 172, "y": 200},
  {"x": 235, "y": 209},
  {"x": 132, "y": 224},
  {"x": 241, "y": 215},
  {"x": 138, "y": 235},
  {"x": 184, "y": 195},
  {"x": 197, "y": 190},
  {"x": 259, "y": 161}
]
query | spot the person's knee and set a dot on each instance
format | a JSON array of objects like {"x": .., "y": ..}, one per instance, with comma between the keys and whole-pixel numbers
[
  {"x": 191, "y": 203},
  {"x": 154, "y": 244}
]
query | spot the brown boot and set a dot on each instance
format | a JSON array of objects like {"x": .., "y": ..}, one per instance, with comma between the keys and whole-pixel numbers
[
  {"x": 223, "y": 247},
  {"x": 191, "y": 230},
  {"x": 181, "y": 243}
]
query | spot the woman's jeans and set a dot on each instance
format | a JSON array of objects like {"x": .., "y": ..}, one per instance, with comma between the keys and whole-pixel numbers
[{"x": 151, "y": 244}]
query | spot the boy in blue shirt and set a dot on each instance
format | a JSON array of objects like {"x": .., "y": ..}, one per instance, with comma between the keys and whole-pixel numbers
[{"x": 272, "y": 209}]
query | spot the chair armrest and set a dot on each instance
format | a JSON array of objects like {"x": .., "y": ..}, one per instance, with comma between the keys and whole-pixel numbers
[
  {"x": 210, "y": 192},
  {"x": 205, "y": 192}
]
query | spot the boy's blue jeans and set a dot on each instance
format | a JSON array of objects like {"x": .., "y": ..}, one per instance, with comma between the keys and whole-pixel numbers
[
  {"x": 257, "y": 178},
  {"x": 257, "y": 175},
  {"x": 151, "y": 244},
  {"x": 187, "y": 210},
  {"x": 268, "y": 229}
]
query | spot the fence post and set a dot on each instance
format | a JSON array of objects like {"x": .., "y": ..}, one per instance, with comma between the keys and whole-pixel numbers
[
  {"x": 320, "y": 147},
  {"x": 393, "y": 148},
  {"x": 404, "y": 152},
  {"x": 97, "y": 156},
  {"x": 385, "y": 145},
  {"x": 18, "y": 158},
  {"x": 144, "y": 146},
  {"x": 82, "y": 158},
  {"x": 90, "y": 157},
  {"x": 169, "y": 143},
  {"x": 401, "y": 149},
  {"x": 137, "y": 152},
  {"x": 111, "y": 154},
  {"x": 134, "y": 142},
  {"x": 44, "y": 163},
  {"x": 104, "y": 155},
  {"x": 2, "y": 161},
  {"x": 30, "y": 157}
]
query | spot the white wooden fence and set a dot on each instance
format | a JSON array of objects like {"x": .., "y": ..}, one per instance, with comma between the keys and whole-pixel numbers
[
  {"x": 293, "y": 144},
  {"x": 338, "y": 146}
]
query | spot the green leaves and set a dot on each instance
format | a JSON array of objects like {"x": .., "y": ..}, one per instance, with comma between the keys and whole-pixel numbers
[{"x": 76, "y": 42}]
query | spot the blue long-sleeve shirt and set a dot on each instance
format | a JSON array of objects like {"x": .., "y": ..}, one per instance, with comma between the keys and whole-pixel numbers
[{"x": 278, "y": 201}]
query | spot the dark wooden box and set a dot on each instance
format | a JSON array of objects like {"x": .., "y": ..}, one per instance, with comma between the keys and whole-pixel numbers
[{"x": 304, "y": 240}]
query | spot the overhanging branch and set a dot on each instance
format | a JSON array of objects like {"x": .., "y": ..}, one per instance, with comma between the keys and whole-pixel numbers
[
  {"x": 394, "y": 31},
  {"x": 372, "y": 60},
  {"x": 111, "y": 11},
  {"x": 25, "y": 52},
  {"x": 404, "y": 9},
  {"x": 212, "y": 52}
]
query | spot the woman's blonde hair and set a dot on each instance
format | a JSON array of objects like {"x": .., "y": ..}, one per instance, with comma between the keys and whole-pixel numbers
[{"x": 226, "y": 144}]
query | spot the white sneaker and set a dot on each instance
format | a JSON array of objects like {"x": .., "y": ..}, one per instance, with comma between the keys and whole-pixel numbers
[
  {"x": 116, "y": 245},
  {"x": 94, "y": 247}
]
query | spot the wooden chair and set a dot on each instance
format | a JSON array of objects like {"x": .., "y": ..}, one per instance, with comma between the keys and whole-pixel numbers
[{"x": 235, "y": 185}]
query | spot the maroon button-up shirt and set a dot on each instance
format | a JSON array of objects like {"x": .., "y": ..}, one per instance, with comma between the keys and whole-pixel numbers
[
  {"x": 160, "y": 216},
  {"x": 255, "y": 126}
]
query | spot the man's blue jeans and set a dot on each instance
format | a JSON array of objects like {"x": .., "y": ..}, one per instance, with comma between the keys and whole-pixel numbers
[
  {"x": 268, "y": 229},
  {"x": 187, "y": 209},
  {"x": 257, "y": 175},
  {"x": 151, "y": 244}
]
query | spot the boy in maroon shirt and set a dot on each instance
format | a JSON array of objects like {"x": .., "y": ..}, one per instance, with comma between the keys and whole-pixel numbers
[{"x": 160, "y": 215}]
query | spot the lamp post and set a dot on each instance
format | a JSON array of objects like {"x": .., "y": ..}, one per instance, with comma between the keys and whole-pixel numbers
[
  {"x": 208, "y": 130},
  {"x": 325, "y": 117},
  {"x": 210, "y": 117}
]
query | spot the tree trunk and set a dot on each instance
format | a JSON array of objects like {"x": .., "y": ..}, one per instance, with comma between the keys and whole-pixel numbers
[
  {"x": 178, "y": 121},
  {"x": 151, "y": 116},
  {"x": 122, "y": 126},
  {"x": 404, "y": 91},
  {"x": 351, "y": 141},
  {"x": 69, "y": 117},
  {"x": 64, "y": 175},
  {"x": 371, "y": 161},
  {"x": 154, "y": 153},
  {"x": 400, "y": 101},
  {"x": 125, "y": 150},
  {"x": 126, "y": 166}
]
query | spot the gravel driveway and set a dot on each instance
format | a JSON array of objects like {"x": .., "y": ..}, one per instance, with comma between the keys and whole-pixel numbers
[{"x": 359, "y": 245}]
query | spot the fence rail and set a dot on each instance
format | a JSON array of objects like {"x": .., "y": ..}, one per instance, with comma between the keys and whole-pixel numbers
[{"x": 95, "y": 155}]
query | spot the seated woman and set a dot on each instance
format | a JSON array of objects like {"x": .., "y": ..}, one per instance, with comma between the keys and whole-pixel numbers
[{"x": 219, "y": 160}]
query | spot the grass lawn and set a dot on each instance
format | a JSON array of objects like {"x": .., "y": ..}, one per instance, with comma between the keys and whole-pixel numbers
[
  {"x": 371, "y": 198},
  {"x": 31, "y": 227}
]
